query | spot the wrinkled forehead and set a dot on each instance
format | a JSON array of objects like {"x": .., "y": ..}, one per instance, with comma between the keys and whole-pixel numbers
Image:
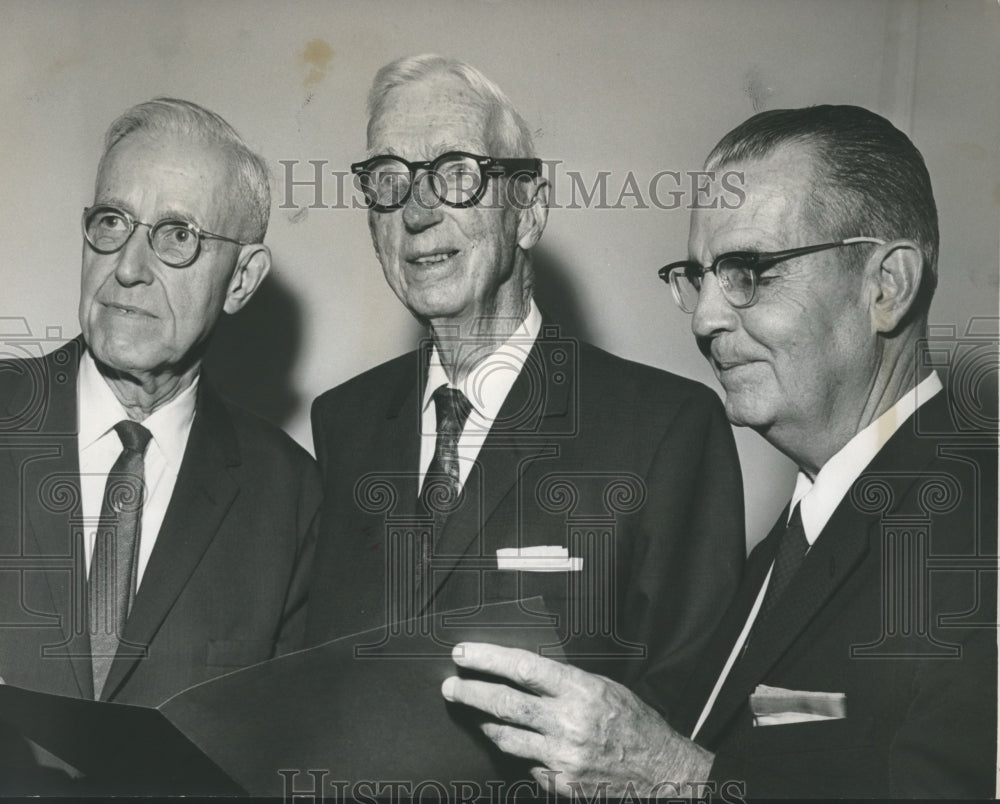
[
  {"x": 425, "y": 118},
  {"x": 772, "y": 210},
  {"x": 177, "y": 171}
]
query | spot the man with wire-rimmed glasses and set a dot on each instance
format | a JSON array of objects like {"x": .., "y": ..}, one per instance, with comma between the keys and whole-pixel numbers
[
  {"x": 168, "y": 531},
  {"x": 859, "y": 656},
  {"x": 503, "y": 460}
]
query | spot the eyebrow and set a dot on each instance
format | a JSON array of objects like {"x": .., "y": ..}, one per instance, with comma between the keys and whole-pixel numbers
[
  {"x": 167, "y": 214},
  {"x": 437, "y": 149}
]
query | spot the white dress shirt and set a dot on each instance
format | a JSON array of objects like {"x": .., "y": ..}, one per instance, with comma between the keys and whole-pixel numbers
[
  {"x": 486, "y": 387},
  {"x": 98, "y": 411},
  {"x": 819, "y": 498}
]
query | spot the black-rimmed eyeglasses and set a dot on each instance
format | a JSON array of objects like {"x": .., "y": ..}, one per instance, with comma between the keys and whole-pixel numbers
[
  {"x": 456, "y": 178},
  {"x": 177, "y": 243},
  {"x": 737, "y": 271}
]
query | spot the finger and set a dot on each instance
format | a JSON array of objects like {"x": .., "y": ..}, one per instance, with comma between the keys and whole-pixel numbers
[
  {"x": 516, "y": 741},
  {"x": 524, "y": 668},
  {"x": 550, "y": 781},
  {"x": 497, "y": 700}
]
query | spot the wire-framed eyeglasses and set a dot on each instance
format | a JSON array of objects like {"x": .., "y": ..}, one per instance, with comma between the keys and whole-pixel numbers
[{"x": 177, "y": 243}]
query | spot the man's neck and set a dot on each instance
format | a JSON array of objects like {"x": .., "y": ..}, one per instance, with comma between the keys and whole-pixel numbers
[
  {"x": 142, "y": 393},
  {"x": 462, "y": 345},
  {"x": 810, "y": 451}
]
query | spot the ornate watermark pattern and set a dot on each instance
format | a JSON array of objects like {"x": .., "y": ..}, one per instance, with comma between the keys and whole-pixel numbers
[
  {"x": 313, "y": 787},
  {"x": 314, "y": 184},
  {"x": 913, "y": 505}
]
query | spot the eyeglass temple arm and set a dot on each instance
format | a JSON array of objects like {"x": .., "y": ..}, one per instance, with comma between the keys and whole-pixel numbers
[{"x": 212, "y": 236}]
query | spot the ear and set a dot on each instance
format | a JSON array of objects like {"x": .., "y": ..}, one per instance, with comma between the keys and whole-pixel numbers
[
  {"x": 252, "y": 265},
  {"x": 533, "y": 212},
  {"x": 371, "y": 230},
  {"x": 895, "y": 270}
]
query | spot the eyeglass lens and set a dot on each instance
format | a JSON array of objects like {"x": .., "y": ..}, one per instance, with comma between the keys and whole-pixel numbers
[
  {"x": 174, "y": 242},
  {"x": 735, "y": 277},
  {"x": 454, "y": 180}
]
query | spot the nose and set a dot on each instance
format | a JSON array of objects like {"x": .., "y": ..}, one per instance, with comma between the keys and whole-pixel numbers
[
  {"x": 423, "y": 208},
  {"x": 135, "y": 259},
  {"x": 712, "y": 314}
]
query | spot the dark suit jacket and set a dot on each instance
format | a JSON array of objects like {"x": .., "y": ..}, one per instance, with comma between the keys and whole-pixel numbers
[
  {"x": 226, "y": 583},
  {"x": 894, "y": 606},
  {"x": 629, "y": 467}
]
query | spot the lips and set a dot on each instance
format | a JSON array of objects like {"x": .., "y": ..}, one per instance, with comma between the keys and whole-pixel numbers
[
  {"x": 430, "y": 258},
  {"x": 123, "y": 309},
  {"x": 726, "y": 360}
]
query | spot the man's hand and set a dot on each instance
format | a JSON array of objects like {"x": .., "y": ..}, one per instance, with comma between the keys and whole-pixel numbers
[{"x": 589, "y": 734}]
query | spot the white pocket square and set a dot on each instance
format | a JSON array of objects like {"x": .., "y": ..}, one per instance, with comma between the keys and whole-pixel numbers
[
  {"x": 774, "y": 706},
  {"x": 544, "y": 558}
]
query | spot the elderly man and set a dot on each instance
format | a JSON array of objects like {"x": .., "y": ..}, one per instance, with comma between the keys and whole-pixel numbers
[
  {"x": 504, "y": 461},
  {"x": 154, "y": 535},
  {"x": 859, "y": 656}
]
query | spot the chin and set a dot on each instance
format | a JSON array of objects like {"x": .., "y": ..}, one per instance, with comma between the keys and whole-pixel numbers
[
  {"x": 744, "y": 412},
  {"x": 126, "y": 357},
  {"x": 435, "y": 308}
]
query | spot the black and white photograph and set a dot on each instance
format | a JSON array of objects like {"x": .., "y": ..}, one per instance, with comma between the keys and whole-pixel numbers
[{"x": 483, "y": 400}]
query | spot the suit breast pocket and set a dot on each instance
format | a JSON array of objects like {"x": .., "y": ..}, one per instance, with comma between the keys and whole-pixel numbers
[
  {"x": 237, "y": 653},
  {"x": 841, "y": 734}
]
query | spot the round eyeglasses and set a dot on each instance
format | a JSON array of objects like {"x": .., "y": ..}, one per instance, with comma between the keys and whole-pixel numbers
[
  {"x": 176, "y": 243},
  {"x": 456, "y": 178},
  {"x": 738, "y": 272}
]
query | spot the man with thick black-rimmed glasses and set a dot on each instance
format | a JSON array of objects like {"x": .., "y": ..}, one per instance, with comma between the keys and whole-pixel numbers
[
  {"x": 502, "y": 460},
  {"x": 859, "y": 656}
]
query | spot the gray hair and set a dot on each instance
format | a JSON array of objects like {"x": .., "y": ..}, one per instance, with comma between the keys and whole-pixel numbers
[
  {"x": 504, "y": 125},
  {"x": 172, "y": 116}
]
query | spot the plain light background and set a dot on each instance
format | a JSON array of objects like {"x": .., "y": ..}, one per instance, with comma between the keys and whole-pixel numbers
[{"x": 616, "y": 87}]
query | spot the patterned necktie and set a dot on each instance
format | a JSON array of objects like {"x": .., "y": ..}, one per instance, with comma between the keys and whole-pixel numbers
[
  {"x": 791, "y": 551},
  {"x": 441, "y": 488},
  {"x": 113, "y": 566}
]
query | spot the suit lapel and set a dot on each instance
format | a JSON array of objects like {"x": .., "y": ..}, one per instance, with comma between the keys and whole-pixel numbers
[
  {"x": 717, "y": 652},
  {"x": 400, "y": 437},
  {"x": 828, "y": 564},
  {"x": 51, "y": 500},
  {"x": 203, "y": 494},
  {"x": 842, "y": 545},
  {"x": 524, "y": 430}
]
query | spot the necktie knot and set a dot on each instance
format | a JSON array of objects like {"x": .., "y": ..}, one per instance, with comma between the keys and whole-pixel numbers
[
  {"x": 134, "y": 437},
  {"x": 452, "y": 409}
]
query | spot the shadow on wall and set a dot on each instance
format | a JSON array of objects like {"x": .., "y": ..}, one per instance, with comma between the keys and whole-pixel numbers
[
  {"x": 252, "y": 353},
  {"x": 556, "y": 295}
]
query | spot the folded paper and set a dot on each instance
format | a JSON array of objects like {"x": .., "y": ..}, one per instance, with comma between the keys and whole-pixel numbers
[
  {"x": 366, "y": 707},
  {"x": 775, "y": 706},
  {"x": 542, "y": 558}
]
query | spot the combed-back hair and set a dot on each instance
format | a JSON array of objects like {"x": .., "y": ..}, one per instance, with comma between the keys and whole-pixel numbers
[
  {"x": 510, "y": 135},
  {"x": 870, "y": 178},
  {"x": 171, "y": 116}
]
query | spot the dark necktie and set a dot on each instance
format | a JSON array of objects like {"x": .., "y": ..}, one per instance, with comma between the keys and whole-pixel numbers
[
  {"x": 115, "y": 559},
  {"x": 441, "y": 488},
  {"x": 791, "y": 551}
]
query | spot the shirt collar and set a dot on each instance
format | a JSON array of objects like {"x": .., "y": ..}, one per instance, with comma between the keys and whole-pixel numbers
[
  {"x": 819, "y": 498},
  {"x": 487, "y": 385},
  {"x": 99, "y": 411}
]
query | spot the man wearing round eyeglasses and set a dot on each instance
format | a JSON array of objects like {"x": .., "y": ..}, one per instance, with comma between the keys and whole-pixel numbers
[
  {"x": 501, "y": 439},
  {"x": 858, "y": 658},
  {"x": 174, "y": 530}
]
